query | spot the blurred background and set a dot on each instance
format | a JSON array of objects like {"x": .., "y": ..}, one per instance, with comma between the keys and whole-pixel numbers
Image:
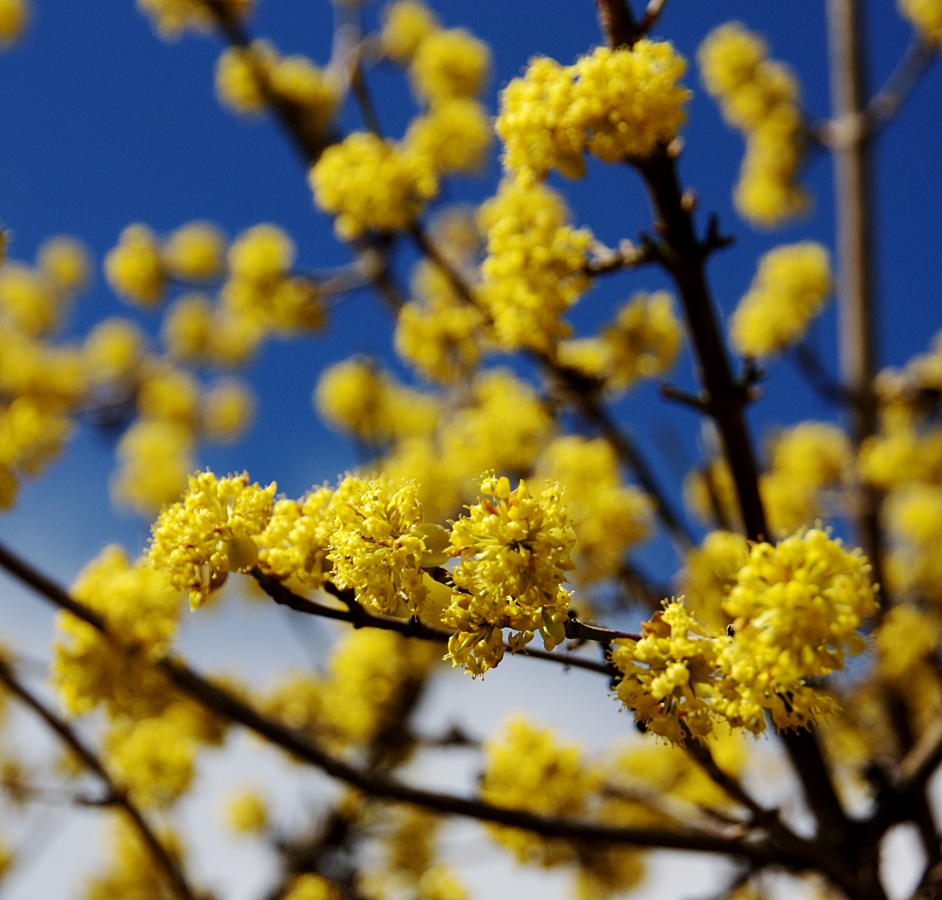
[{"x": 103, "y": 124}]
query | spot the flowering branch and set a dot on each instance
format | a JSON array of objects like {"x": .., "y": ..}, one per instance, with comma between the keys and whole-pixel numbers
[{"x": 115, "y": 796}]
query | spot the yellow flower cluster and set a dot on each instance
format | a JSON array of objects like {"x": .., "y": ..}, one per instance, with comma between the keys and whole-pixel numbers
[
  {"x": 354, "y": 396},
  {"x": 311, "y": 887},
  {"x": 803, "y": 461},
  {"x": 761, "y": 98},
  {"x": 295, "y": 542},
  {"x": 617, "y": 104},
  {"x": 926, "y": 16},
  {"x": 527, "y": 767},
  {"x": 795, "y": 608},
  {"x": 453, "y": 136},
  {"x": 14, "y": 17},
  {"x": 406, "y": 24},
  {"x": 247, "y": 78},
  {"x": 515, "y": 550},
  {"x": 789, "y": 289},
  {"x": 369, "y": 675},
  {"x": 140, "y": 267},
  {"x": 247, "y": 813},
  {"x": 535, "y": 265},
  {"x": 642, "y": 342},
  {"x": 906, "y": 639},
  {"x": 369, "y": 183},
  {"x": 439, "y": 333},
  {"x": 914, "y": 518},
  {"x": 31, "y": 435},
  {"x": 608, "y": 517},
  {"x": 379, "y": 544},
  {"x": 133, "y": 871},
  {"x": 709, "y": 572},
  {"x": 198, "y": 540},
  {"x": 172, "y": 17},
  {"x": 141, "y": 610},
  {"x": 7, "y": 859}
]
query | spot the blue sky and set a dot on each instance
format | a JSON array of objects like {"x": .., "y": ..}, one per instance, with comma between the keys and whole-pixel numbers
[{"x": 102, "y": 124}]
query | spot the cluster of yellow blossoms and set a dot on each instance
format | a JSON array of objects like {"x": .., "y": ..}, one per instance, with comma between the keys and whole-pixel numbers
[
  {"x": 616, "y": 104},
  {"x": 642, "y": 342},
  {"x": 173, "y": 17},
  {"x": 926, "y": 16},
  {"x": 795, "y": 611},
  {"x": 791, "y": 285},
  {"x": 14, "y": 17},
  {"x": 761, "y": 98}
]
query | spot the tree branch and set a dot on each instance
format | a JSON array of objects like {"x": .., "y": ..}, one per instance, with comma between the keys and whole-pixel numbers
[{"x": 115, "y": 795}]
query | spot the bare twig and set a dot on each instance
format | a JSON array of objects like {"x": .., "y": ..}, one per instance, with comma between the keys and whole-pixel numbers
[
  {"x": 651, "y": 14},
  {"x": 115, "y": 796}
]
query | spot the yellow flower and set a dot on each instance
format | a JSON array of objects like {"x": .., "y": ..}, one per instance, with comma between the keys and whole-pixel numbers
[
  {"x": 14, "y": 17},
  {"x": 247, "y": 813},
  {"x": 371, "y": 183},
  {"x": 709, "y": 572},
  {"x": 166, "y": 392},
  {"x": 242, "y": 75},
  {"x": 227, "y": 410},
  {"x": 29, "y": 301},
  {"x": 534, "y": 270},
  {"x": 154, "y": 458},
  {"x": 617, "y": 104},
  {"x": 113, "y": 351},
  {"x": 134, "y": 268},
  {"x": 791, "y": 284},
  {"x": 295, "y": 542},
  {"x": 194, "y": 252},
  {"x": 453, "y": 136},
  {"x": 449, "y": 63},
  {"x": 406, "y": 23},
  {"x": 926, "y": 16},
  {"x": 172, "y": 17},
  {"x": 514, "y": 550},
  {"x": 65, "y": 262},
  {"x": 311, "y": 887},
  {"x": 261, "y": 254},
  {"x": 187, "y": 328},
  {"x": 211, "y": 531}
]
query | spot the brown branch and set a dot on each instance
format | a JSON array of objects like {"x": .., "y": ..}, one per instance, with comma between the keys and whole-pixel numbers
[
  {"x": 617, "y": 23},
  {"x": 216, "y": 699},
  {"x": 357, "y": 616},
  {"x": 115, "y": 796}
]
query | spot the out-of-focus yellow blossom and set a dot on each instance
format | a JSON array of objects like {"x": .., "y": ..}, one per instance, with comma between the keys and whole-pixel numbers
[
  {"x": 172, "y": 17},
  {"x": 195, "y": 252},
  {"x": 709, "y": 572},
  {"x": 441, "y": 882},
  {"x": 535, "y": 265},
  {"x": 617, "y": 104},
  {"x": 199, "y": 539},
  {"x": 113, "y": 351},
  {"x": 379, "y": 542},
  {"x": 926, "y": 16},
  {"x": 227, "y": 410},
  {"x": 31, "y": 435},
  {"x": 902, "y": 453},
  {"x": 153, "y": 759},
  {"x": 905, "y": 638},
  {"x": 247, "y": 813},
  {"x": 505, "y": 427},
  {"x": 295, "y": 542},
  {"x": 710, "y": 494},
  {"x": 298, "y": 701},
  {"x": 796, "y": 610},
  {"x": 167, "y": 392},
  {"x": 187, "y": 327},
  {"x": 283, "y": 305},
  {"x": 369, "y": 183},
  {"x": 644, "y": 339},
  {"x": 66, "y": 263},
  {"x": 761, "y": 98},
  {"x": 14, "y": 17},
  {"x": 311, "y": 887},
  {"x": 7, "y": 859},
  {"x": 261, "y": 254},
  {"x": 514, "y": 551},
  {"x": 154, "y": 458},
  {"x": 926, "y": 368},
  {"x": 406, "y": 24},
  {"x": 141, "y": 610},
  {"x": 914, "y": 516},
  {"x": 356, "y": 397},
  {"x": 241, "y": 75},
  {"x": 52, "y": 375},
  {"x": 233, "y": 339},
  {"x": 134, "y": 268},
  {"x": 369, "y": 674},
  {"x": 608, "y": 517},
  {"x": 410, "y": 846},
  {"x": 454, "y": 136},
  {"x": 449, "y": 63},
  {"x": 789, "y": 289},
  {"x": 29, "y": 301},
  {"x": 133, "y": 871},
  {"x": 296, "y": 80}
]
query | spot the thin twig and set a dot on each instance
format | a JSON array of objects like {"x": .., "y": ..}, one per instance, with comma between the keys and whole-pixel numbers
[
  {"x": 651, "y": 14},
  {"x": 115, "y": 796}
]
